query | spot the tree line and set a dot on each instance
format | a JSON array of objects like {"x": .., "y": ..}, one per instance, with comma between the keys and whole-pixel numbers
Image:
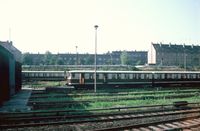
[{"x": 52, "y": 59}]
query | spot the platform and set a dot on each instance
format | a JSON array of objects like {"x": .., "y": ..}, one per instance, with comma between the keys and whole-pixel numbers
[{"x": 18, "y": 102}]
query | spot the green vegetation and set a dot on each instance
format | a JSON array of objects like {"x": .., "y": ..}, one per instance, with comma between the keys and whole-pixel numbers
[
  {"x": 42, "y": 84},
  {"x": 108, "y": 99}
]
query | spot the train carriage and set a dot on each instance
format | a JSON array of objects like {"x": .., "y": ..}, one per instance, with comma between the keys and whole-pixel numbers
[
  {"x": 85, "y": 79},
  {"x": 44, "y": 75}
]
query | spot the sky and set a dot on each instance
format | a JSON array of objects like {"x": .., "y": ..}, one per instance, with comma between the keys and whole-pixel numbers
[{"x": 59, "y": 26}]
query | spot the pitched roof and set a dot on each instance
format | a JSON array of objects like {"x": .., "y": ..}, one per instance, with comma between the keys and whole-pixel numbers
[
  {"x": 173, "y": 48},
  {"x": 9, "y": 46}
]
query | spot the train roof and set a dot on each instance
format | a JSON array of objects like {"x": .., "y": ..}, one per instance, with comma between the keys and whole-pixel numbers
[
  {"x": 112, "y": 72},
  {"x": 43, "y": 71},
  {"x": 144, "y": 72}
]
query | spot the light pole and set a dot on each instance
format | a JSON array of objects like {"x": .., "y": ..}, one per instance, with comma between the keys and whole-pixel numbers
[
  {"x": 110, "y": 58},
  {"x": 76, "y": 56},
  {"x": 185, "y": 61},
  {"x": 95, "y": 60}
]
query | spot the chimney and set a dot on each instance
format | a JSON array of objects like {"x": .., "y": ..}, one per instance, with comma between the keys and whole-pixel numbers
[
  {"x": 160, "y": 44},
  {"x": 170, "y": 44}
]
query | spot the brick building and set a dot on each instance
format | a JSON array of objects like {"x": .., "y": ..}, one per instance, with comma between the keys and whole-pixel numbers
[
  {"x": 109, "y": 58},
  {"x": 10, "y": 70},
  {"x": 175, "y": 55}
]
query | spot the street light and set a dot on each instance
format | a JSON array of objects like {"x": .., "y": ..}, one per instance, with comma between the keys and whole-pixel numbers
[
  {"x": 76, "y": 56},
  {"x": 95, "y": 60}
]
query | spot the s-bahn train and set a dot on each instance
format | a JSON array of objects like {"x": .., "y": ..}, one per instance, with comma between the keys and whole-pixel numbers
[
  {"x": 44, "y": 75},
  {"x": 85, "y": 79}
]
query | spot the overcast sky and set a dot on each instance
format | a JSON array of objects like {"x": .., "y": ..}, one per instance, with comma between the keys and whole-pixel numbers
[{"x": 60, "y": 25}]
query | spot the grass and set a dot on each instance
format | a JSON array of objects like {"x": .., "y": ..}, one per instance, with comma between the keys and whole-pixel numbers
[
  {"x": 42, "y": 84},
  {"x": 140, "y": 102},
  {"x": 108, "y": 94},
  {"x": 116, "y": 96}
]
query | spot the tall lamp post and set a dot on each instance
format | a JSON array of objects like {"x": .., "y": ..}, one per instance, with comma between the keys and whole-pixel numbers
[
  {"x": 76, "y": 56},
  {"x": 95, "y": 60}
]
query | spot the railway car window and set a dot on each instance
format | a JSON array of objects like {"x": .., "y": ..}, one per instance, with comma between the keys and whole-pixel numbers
[
  {"x": 73, "y": 75},
  {"x": 193, "y": 76},
  {"x": 76, "y": 76},
  {"x": 189, "y": 76},
  {"x": 100, "y": 76},
  {"x": 141, "y": 76},
  {"x": 40, "y": 74},
  {"x": 122, "y": 76},
  {"x": 114, "y": 76},
  {"x": 118, "y": 76},
  {"x": 47, "y": 74},
  {"x": 146, "y": 76},
  {"x": 58, "y": 74},
  {"x": 130, "y": 76},
  {"x": 91, "y": 76},
  {"x": 97, "y": 76},
  {"x": 137, "y": 76},
  {"x": 109, "y": 76},
  {"x": 150, "y": 76},
  {"x": 36, "y": 74},
  {"x": 197, "y": 76},
  {"x": 162, "y": 76},
  {"x": 134, "y": 76},
  {"x": 55, "y": 74},
  {"x": 44, "y": 74},
  {"x": 172, "y": 76},
  {"x": 179, "y": 76},
  {"x": 126, "y": 76},
  {"x": 169, "y": 76},
  {"x": 159, "y": 76},
  {"x": 155, "y": 76},
  {"x": 62, "y": 74},
  {"x": 87, "y": 76},
  {"x": 175, "y": 76},
  {"x": 185, "y": 76},
  {"x": 165, "y": 77},
  {"x": 32, "y": 74}
]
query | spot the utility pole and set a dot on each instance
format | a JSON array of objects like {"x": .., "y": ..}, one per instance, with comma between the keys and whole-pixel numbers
[
  {"x": 95, "y": 60},
  {"x": 76, "y": 56}
]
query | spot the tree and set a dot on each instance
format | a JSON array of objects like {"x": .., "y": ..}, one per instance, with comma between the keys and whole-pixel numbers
[
  {"x": 89, "y": 60},
  {"x": 48, "y": 58},
  {"x": 125, "y": 58},
  {"x": 27, "y": 59},
  {"x": 59, "y": 61}
]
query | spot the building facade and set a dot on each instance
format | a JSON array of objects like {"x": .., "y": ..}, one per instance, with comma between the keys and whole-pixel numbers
[
  {"x": 10, "y": 71},
  {"x": 175, "y": 55},
  {"x": 109, "y": 58}
]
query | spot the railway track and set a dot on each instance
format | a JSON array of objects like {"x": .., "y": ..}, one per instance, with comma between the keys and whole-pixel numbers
[
  {"x": 41, "y": 94},
  {"x": 67, "y": 103},
  {"x": 175, "y": 124},
  {"x": 13, "y": 121}
]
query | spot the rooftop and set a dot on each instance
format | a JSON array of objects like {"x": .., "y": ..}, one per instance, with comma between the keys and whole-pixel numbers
[{"x": 176, "y": 48}]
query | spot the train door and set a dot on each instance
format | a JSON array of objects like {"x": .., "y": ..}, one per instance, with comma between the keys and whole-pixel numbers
[
  {"x": 105, "y": 78},
  {"x": 81, "y": 79}
]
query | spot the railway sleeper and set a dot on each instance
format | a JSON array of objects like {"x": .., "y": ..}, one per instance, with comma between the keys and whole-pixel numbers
[{"x": 179, "y": 104}]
